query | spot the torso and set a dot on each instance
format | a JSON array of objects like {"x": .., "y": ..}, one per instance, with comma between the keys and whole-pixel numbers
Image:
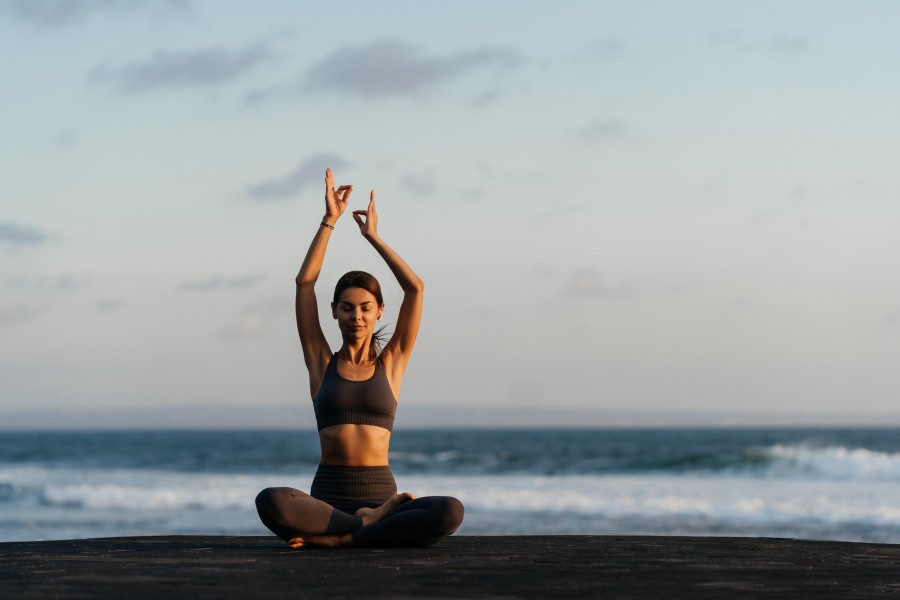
[{"x": 357, "y": 444}]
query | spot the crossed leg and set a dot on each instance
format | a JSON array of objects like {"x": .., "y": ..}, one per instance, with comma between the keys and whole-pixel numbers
[
  {"x": 416, "y": 523},
  {"x": 300, "y": 520},
  {"x": 295, "y": 515}
]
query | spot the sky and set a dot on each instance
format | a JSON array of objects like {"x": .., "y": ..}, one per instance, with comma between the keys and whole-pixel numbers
[{"x": 624, "y": 212}]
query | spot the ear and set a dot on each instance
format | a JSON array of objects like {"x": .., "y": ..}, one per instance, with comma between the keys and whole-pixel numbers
[{"x": 334, "y": 310}]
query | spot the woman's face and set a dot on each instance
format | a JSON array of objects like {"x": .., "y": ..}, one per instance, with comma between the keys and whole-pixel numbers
[{"x": 357, "y": 311}]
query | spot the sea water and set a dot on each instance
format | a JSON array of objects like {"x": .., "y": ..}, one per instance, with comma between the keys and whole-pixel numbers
[{"x": 837, "y": 484}]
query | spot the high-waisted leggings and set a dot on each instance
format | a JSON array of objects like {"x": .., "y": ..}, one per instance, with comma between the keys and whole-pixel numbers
[{"x": 337, "y": 492}]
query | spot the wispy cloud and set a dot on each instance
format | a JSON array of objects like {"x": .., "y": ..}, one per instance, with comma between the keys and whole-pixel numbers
[
  {"x": 587, "y": 282},
  {"x": 170, "y": 69},
  {"x": 311, "y": 170},
  {"x": 13, "y": 313},
  {"x": 732, "y": 39},
  {"x": 493, "y": 95},
  {"x": 254, "y": 320},
  {"x": 600, "y": 130},
  {"x": 423, "y": 184},
  {"x": 561, "y": 209},
  {"x": 65, "y": 138},
  {"x": 789, "y": 44},
  {"x": 243, "y": 327},
  {"x": 108, "y": 305},
  {"x": 220, "y": 282},
  {"x": 736, "y": 40},
  {"x": 61, "y": 13},
  {"x": 21, "y": 235},
  {"x": 391, "y": 68},
  {"x": 64, "y": 283},
  {"x": 602, "y": 48}
]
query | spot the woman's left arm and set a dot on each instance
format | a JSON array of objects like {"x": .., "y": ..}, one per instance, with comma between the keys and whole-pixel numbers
[{"x": 396, "y": 352}]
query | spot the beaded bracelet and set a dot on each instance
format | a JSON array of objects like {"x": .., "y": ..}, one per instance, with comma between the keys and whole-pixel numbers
[{"x": 331, "y": 227}]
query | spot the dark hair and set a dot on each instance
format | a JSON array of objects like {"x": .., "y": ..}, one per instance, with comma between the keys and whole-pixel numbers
[{"x": 362, "y": 280}]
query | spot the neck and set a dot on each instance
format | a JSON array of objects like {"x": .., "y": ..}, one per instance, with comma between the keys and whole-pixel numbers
[{"x": 356, "y": 351}]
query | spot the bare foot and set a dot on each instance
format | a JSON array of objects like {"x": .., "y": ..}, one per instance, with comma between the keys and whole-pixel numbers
[
  {"x": 324, "y": 541},
  {"x": 373, "y": 515}
]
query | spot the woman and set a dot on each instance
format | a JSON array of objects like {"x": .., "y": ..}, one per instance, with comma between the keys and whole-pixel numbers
[{"x": 354, "y": 499}]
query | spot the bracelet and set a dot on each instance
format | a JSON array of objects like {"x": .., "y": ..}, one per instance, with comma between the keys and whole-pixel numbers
[{"x": 324, "y": 224}]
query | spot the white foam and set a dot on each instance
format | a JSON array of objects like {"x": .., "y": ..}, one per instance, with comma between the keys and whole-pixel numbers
[
  {"x": 835, "y": 462},
  {"x": 735, "y": 499},
  {"x": 159, "y": 502},
  {"x": 134, "y": 489}
]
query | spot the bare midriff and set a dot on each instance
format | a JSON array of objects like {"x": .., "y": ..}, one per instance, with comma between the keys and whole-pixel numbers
[{"x": 355, "y": 445}]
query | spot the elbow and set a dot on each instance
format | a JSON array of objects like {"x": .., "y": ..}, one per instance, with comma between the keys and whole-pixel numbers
[
  {"x": 303, "y": 281},
  {"x": 417, "y": 286}
]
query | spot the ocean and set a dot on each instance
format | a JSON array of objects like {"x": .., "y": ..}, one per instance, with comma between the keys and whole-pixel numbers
[{"x": 830, "y": 484}]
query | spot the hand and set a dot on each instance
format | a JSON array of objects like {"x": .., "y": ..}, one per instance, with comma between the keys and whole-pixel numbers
[
  {"x": 335, "y": 199},
  {"x": 369, "y": 226}
]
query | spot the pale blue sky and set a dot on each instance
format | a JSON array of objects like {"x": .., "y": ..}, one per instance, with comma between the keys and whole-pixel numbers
[{"x": 643, "y": 206}]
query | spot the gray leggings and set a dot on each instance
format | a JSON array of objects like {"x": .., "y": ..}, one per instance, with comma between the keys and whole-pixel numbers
[{"x": 337, "y": 492}]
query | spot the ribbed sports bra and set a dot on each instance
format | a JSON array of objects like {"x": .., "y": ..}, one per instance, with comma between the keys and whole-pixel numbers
[{"x": 340, "y": 401}]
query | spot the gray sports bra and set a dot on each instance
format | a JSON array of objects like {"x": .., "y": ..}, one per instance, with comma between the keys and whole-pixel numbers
[{"x": 341, "y": 401}]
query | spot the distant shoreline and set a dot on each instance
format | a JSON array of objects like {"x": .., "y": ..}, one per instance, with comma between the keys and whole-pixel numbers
[
  {"x": 411, "y": 416},
  {"x": 420, "y": 417}
]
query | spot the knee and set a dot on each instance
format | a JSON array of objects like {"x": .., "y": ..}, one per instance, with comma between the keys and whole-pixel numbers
[
  {"x": 265, "y": 497},
  {"x": 452, "y": 514},
  {"x": 264, "y": 502},
  {"x": 268, "y": 505}
]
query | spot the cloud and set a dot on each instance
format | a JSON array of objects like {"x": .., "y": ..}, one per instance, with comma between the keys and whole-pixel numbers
[
  {"x": 596, "y": 131},
  {"x": 423, "y": 185},
  {"x": 736, "y": 40},
  {"x": 561, "y": 209},
  {"x": 220, "y": 282},
  {"x": 603, "y": 48},
  {"x": 733, "y": 39},
  {"x": 471, "y": 194},
  {"x": 21, "y": 235},
  {"x": 182, "y": 69},
  {"x": 492, "y": 95},
  {"x": 254, "y": 320},
  {"x": 17, "y": 312},
  {"x": 61, "y": 13},
  {"x": 586, "y": 282},
  {"x": 487, "y": 97},
  {"x": 66, "y": 138},
  {"x": 392, "y": 67},
  {"x": 108, "y": 305},
  {"x": 311, "y": 170},
  {"x": 790, "y": 44},
  {"x": 244, "y": 327},
  {"x": 64, "y": 283}
]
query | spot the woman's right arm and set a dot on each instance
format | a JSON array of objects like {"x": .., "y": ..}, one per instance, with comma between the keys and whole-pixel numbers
[{"x": 316, "y": 352}]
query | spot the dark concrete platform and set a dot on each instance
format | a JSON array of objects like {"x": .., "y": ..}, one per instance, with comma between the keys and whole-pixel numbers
[{"x": 459, "y": 567}]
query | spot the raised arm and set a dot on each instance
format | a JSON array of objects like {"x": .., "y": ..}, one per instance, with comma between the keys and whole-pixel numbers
[
  {"x": 316, "y": 352},
  {"x": 395, "y": 355}
]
